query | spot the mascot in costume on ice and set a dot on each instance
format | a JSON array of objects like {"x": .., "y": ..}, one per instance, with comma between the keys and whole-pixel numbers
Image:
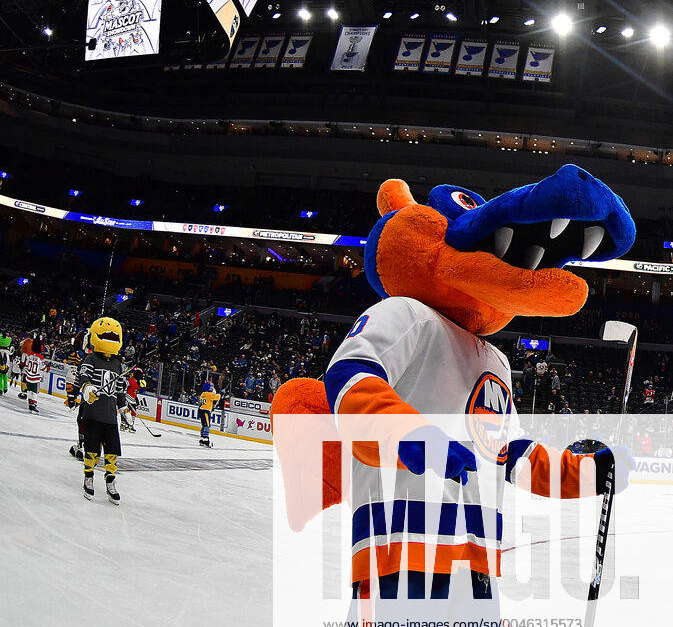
[{"x": 448, "y": 273}]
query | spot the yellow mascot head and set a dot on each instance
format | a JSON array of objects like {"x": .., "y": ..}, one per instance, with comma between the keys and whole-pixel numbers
[{"x": 105, "y": 336}]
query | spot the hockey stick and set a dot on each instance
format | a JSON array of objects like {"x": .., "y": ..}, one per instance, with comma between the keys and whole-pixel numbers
[
  {"x": 612, "y": 331},
  {"x": 154, "y": 435}
]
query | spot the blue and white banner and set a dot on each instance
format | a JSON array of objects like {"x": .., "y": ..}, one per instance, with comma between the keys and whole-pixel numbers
[
  {"x": 504, "y": 60},
  {"x": 245, "y": 52},
  {"x": 269, "y": 51},
  {"x": 472, "y": 58},
  {"x": 353, "y": 48},
  {"x": 296, "y": 51},
  {"x": 440, "y": 54},
  {"x": 539, "y": 64},
  {"x": 409, "y": 53}
]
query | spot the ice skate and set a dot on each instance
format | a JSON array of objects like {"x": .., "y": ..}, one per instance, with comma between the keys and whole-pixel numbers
[
  {"x": 88, "y": 488},
  {"x": 112, "y": 494},
  {"x": 77, "y": 452}
]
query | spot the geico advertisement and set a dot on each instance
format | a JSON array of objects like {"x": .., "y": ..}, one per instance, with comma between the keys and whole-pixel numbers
[
  {"x": 250, "y": 426},
  {"x": 181, "y": 412},
  {"x": 56, "y": 384},
  {"x": 248, "y": 406}
]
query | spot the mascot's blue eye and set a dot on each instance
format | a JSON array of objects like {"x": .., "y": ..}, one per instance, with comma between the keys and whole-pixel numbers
[{"x": 464, "y": 200}]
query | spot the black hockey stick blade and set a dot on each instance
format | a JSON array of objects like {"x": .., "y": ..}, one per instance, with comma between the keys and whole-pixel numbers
[{"x": 154, "y": 435}]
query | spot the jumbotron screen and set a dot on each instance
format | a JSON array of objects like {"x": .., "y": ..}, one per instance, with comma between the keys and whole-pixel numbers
[{"x": 122, "y": 28}]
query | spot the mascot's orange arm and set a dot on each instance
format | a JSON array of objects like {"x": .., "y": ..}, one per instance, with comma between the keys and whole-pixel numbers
[
  {"x": 549, "y": 473},
  {"x": 362, "y": 409},
  {"x": 301, "y": 420}
]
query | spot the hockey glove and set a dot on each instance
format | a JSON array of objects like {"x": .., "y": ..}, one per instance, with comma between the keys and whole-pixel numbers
[
  {"x": 430, "y": 446},
  {"x": 89, "y": 394},
  {"x": 621, "y": 459}
]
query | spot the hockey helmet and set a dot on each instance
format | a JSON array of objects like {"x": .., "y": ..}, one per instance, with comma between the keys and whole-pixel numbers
[
  {"x": 105, "y": 336},
  {"x": 207, "y": 387},
  {"x": 5, "y": 341}
]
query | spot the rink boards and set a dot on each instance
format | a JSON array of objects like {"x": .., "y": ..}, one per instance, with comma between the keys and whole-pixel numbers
[{"x": 248, "y": 421}]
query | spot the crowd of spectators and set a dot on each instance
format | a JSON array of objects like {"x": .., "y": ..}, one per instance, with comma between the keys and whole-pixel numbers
[{"x": 250, "y": 354}]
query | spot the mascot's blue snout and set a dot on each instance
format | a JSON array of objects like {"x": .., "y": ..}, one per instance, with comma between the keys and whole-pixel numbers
[{"x": 568, "y": 216}]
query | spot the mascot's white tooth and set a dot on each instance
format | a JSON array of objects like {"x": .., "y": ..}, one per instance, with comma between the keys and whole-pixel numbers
[
  {"x": 534, "y": 256},
  {"x": 558, "y": 225},
  {"x": 503, "y": 238},
  {"x": 593, "y": 236}
]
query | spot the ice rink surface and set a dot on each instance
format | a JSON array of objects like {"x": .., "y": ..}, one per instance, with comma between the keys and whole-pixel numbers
[
  {"x": 187, "y": 546},
  {"x": 191, "y": 543}
]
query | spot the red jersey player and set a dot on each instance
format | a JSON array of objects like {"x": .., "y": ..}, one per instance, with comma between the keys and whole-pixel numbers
[{"x": 134, "y": 385}]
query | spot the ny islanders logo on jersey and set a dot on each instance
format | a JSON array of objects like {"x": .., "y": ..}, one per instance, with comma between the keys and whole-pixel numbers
[{"x": 487, "y": 415}]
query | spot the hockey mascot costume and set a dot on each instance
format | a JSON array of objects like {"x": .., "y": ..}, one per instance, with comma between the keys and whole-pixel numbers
[
  {"x": 448, "y": 273},
  {"x": 101, "y": 383},
  {"x": 5, "y": 362}
]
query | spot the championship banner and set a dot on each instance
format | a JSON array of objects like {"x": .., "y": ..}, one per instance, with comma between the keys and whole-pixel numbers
[
  {"x": 245, "y": 52},
  {"x": 539, "y": 62},
  {"x": 353, "y": 48},
  {"x": 122, "y": 28},
  {"x": 296, "y": 50},
  {"x": 248, "y": 6},
  {"x": 227, "y": 15},
  {"x": 472, "y": 58},
  {"x": 504, "y": 60},
  {"x": 269, "y": 51},
  {"x": 440, "y": 54},
  {"x": 409, "y": 53}
]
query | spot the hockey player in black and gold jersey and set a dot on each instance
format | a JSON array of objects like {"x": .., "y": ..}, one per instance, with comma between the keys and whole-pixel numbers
[
  {"x": 79, "y": 350},
  {"x": 102, "y": 385}
]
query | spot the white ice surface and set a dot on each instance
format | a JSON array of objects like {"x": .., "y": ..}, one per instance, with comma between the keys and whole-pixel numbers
[
  {"x": 186, "y": 547},
  {"x": 193, "y": 547}
]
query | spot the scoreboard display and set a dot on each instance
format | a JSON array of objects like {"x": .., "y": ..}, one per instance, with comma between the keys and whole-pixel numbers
[{"x": 122, "y": 28}]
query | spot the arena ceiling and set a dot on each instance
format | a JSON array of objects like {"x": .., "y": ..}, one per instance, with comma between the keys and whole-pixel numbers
[{"x": 23, "y": 23}]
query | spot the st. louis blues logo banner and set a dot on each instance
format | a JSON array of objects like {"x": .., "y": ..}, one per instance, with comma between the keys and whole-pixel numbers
[
  {"x": 539, "y": 63},
  {"x": 296, "y": 50},
  {"x": 504, "y": 59},
  {"x": 410, "y": 53},
  {"x": 471, "y": 58},
  {"x": 439, "y": 57},
  {"x": 245, "y": 52},
  {"x": 269, "y": 51},
  {"x": 353, "y": 48}
]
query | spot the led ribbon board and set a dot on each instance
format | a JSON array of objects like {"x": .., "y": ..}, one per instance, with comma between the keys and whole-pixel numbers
[{"x": 280, "y": 235}]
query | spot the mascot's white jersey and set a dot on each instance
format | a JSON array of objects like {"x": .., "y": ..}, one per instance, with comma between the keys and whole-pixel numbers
[
  {"x": 429, "y": 361},
  {"x": 438, "y": 368}
]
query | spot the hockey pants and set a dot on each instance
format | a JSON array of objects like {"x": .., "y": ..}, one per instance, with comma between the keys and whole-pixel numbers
[
  {"x": 32, "y": 389},
  {"x": 204, "y": 415},
  {"x": 97, "y": 434}
]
